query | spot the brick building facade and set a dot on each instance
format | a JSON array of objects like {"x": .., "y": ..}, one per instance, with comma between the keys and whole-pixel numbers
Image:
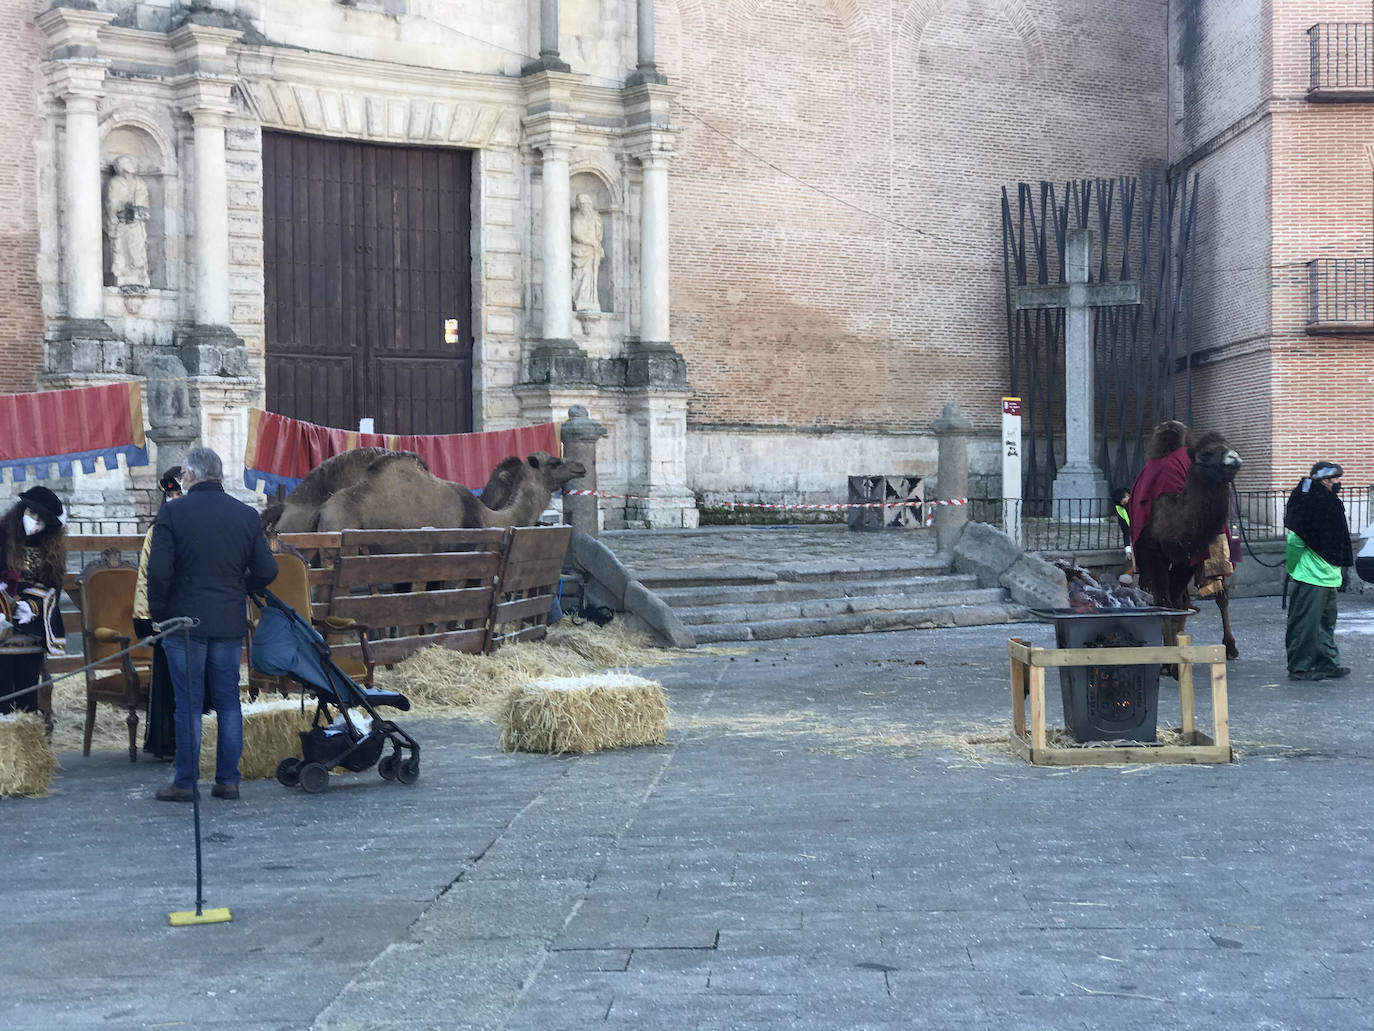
[{"x": 1279, "y": 133}]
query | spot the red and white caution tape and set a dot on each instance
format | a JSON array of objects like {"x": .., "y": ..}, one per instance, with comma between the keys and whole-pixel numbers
[{"x": 786, "y": 508}]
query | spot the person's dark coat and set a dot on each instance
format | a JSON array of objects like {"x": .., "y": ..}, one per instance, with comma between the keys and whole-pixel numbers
[
  {"x": 208, "y": 554},
  {"x": 1317, "y": 515}
]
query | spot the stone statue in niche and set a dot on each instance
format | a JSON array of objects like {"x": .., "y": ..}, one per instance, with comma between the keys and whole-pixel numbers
[
  {"x": 126, "y": 225},
  {"x": 587, "y": 253},
  {"x": 171, "y": 413}
]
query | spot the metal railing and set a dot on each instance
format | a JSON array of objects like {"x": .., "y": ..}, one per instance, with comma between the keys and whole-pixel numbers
[
  {"x": 1341, "y": 55},
  {"x": 1089, "y": 525},
  {"x": 1340, "y": 290}
]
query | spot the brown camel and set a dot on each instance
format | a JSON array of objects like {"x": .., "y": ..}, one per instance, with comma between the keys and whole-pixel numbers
[
  {"x": 394, "y": 490},
  {"x": 1182, "y": 525}
]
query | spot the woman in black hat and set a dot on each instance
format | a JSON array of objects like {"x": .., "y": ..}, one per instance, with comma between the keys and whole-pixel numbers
[{"x": 33, "y": 540}]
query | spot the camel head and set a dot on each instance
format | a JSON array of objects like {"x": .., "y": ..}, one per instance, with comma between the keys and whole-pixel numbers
[
  {"x": 1214, "y": 459},
  {"x": 554, "y": 472}
]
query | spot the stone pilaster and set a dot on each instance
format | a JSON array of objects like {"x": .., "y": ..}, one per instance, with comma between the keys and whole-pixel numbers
[
  {"x": 645, "y": 68},
  {"x": 549, "y": 59}
]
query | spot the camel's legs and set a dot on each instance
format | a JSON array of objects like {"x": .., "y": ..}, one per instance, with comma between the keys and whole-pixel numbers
[{"x": 1224, "y": 607}]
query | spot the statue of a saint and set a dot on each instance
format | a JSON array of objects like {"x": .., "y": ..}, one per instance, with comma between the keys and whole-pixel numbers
[
  {"x": 586, "y": 254},
  {"x": 126, "y": 225}
]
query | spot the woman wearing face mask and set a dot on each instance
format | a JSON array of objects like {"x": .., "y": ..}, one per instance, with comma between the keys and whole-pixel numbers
[{"x": 34, "y": 558}]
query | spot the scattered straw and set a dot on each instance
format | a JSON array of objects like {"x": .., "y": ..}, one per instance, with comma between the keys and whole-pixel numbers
[
  {"x": 442, "y": 682},
  {"x": 27, "y": 761},
  {"x": 974, "y": 743},
  {"x": 557, "y": 715}
]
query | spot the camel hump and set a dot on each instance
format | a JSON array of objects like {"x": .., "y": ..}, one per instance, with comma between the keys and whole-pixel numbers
[
  {"x": 1166, "y": 438},
  {"x": 346, "y": 468}
]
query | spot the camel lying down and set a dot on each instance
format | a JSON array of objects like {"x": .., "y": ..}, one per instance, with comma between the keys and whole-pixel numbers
[{"x": 377, "y": 489}]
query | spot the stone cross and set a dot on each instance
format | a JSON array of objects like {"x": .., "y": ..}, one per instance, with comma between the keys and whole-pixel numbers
[{"x": 1079, "y": 478}]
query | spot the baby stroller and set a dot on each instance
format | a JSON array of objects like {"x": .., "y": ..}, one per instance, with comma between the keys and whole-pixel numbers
[{"x": 286, "y": 645}]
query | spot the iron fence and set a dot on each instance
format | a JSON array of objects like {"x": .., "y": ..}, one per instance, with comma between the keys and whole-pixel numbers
[
  {"x": 1340, "y": 290},
  {"x": 1091, "y": 525},
  {"x": 1341, "y": 55}
]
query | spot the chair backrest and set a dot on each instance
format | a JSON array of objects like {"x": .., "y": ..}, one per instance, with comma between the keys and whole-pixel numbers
[
  {"x": 292, "y": 584},
  {"x": 107, "y": 600}
]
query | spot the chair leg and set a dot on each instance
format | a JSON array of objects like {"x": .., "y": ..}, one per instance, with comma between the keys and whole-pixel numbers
[
  {"x": 90, "y": 726},
  {"x": 132, "y": 721}
]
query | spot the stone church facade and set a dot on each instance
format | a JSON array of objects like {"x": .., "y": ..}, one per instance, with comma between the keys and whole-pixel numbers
[{"x": 213, "y": 195}]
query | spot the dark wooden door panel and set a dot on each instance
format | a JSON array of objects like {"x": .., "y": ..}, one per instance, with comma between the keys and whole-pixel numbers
[{"x": 366, "y": 254}]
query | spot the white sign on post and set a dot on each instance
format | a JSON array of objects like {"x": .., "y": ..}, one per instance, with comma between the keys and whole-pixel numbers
[{"x": 1011, "y": 467}]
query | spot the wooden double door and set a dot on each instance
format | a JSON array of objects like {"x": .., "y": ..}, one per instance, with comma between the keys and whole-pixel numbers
[{"x": 367, "y": 254}]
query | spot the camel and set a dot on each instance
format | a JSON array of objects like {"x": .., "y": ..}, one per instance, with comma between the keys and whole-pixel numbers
[
  {"x": 1182, "y": 525},
  {"x": 377, "y": 489}
]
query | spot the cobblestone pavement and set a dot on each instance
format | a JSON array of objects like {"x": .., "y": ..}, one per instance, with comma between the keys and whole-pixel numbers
[{"x": 823, "y": 844}]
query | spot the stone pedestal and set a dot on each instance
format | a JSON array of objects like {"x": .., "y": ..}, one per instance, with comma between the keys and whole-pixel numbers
[
  {"x": 952, "y": 431},
  {"x": 580, "y": 434},
  {"x": 212, "y": 351}
]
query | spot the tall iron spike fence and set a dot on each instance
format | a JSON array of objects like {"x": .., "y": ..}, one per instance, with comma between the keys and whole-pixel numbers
[
  {"x": 1144, "y": 231},
  {"x": 1340, "y": 290},
  {"x": 1085, "y": 529},
  {"x": 1341, "y": 55}
]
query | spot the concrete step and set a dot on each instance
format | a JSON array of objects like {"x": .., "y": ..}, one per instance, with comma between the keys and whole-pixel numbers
[
  {"x": 863, "y": 623},
  {"x": 820, "y": 571},
  {"x": 730, "y": 610},
  {"x": 767, "y": 593}
]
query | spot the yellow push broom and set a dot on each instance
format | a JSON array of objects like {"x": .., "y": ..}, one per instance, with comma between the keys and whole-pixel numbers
[{"x": 200, "y": 915}]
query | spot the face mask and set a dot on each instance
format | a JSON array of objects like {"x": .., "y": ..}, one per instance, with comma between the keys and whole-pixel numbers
[{"x": 32, "y": 524}]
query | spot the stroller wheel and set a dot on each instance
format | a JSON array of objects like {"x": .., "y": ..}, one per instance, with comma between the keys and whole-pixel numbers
[
  {"x": 314, "y": 778},
  {"x": 409, "y": 771},
  {"x": 289, "y": 772},
  {"x": 388, "y": 766}
]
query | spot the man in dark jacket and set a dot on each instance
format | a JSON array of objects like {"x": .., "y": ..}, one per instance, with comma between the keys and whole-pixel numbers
[
  {"x": 1318, "y": 552},
  {"x": 208, "y": 553}
]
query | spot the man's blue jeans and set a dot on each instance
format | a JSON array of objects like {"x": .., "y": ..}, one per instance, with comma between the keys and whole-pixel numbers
[{"x": 213, "y": 667}]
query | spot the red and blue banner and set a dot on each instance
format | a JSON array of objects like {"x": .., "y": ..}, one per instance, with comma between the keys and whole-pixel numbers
[
  {"x": 63, "y": 428},
  {"x": 282, "y": 450}
]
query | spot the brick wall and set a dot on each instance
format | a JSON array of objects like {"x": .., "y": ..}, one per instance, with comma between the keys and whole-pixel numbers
[
  {"x": 21, "y": 316},
  {"x": 836, "y": 232}
]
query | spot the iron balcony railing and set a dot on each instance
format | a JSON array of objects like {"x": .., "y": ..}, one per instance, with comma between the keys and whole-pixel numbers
[
  {"x": 1058, "y": 527},
  {"x": 1341, "y": 56},
  {"x": 1340, "y": 292}
]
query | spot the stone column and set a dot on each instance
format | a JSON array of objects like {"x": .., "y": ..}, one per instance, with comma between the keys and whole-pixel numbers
[
  {"x": 580, "y": 434},
  {"x": 952, "y": 431},
  {"x": 646, "y": 70},
  {"x": 81, "y": 227},
  {"x": 549, "y": 58},
  {"x": 557, "y": 248},
  {"x": 211, "y": 206},
  {"x": 653, "y": 254}
]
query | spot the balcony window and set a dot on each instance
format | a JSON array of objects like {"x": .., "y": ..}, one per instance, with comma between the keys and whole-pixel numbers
[
  {"x": 1342, "y": 61},
  {"x": 1340, "y": 296}
]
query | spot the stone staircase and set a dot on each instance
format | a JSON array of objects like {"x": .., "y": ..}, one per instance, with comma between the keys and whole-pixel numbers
[{"x": 757, "y": 583}]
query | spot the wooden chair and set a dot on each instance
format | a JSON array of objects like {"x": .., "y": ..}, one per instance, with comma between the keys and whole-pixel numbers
[
  {"x": 292, "y": 586},
  {"x": 107, "y": 627}
]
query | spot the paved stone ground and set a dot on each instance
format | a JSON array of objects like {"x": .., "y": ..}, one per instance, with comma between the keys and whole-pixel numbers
[{"x": 805, "y": 853}]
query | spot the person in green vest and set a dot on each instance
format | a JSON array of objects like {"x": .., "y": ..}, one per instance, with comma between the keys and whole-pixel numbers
[
  {"x": 1121, "y": 500},
  {"x": 1316, "y": 556}
]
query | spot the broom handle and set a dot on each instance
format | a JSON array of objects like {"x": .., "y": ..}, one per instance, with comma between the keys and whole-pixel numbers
[{"x": 195, "y": 785}]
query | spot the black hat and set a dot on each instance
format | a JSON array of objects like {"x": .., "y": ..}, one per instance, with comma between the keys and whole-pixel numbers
[
  {"x": 44, "y": 502},
  {"x": 1322, "y": 470},
  {"x": 170, "y": 480}
]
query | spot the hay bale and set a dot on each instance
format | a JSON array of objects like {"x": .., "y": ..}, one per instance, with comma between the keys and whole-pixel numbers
[
  {"x": 271, "y": 732},
  {"x": 27, "y": 761},
  {"x": 556, "y": 715}
]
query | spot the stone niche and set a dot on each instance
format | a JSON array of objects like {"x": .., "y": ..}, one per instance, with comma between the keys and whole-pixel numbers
[
  {"x": 155, "y": 167},
  {"x": 611, "y": 271}
]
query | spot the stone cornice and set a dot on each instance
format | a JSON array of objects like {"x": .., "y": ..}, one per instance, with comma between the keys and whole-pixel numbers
[
  {"x": 67, "y": 29},
  {"x": 84, "y": 78}
]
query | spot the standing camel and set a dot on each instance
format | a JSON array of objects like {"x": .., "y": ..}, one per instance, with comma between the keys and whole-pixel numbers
[{"x": 1178, "y": 526}]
